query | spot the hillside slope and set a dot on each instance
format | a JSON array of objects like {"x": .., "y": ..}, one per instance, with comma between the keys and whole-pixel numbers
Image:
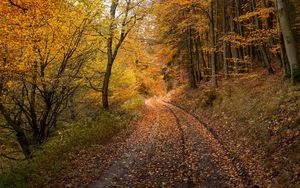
[{"x": 257, "y": 118}]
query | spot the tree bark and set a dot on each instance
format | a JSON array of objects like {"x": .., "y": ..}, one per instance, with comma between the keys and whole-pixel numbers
[
  {"x": 191, "y": 66},
  {"x": 110, "y": 55},
  {"x": 284, "y": 61},
  {"x": 15, "y": 124},
  {"x": 234, "y": 50},
  {"x": 289, "y": 39},
  {"x": 225, "y": 44},
  {"x": 23, "y": 142},
  {"x": 106, "y": 84},
  {"x": 200, "y": 57},
  {"x": 213, "y": 46}
]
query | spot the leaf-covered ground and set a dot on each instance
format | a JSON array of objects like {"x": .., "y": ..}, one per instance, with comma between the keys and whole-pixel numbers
[
  {"x": 169, "y": 148},
  {"x": 256, "y": 117}
]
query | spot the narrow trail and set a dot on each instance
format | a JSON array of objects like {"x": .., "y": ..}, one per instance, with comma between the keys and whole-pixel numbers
[{"x": 170, "y": 148}]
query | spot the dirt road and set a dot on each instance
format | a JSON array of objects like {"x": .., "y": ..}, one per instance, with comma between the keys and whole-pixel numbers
[{"x": 170, "y": 148}]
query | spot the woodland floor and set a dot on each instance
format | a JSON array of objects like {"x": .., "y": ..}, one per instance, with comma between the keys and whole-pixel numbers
[
  {"x": 169, "y": 147},
  {"x": 256, "y": 120}
]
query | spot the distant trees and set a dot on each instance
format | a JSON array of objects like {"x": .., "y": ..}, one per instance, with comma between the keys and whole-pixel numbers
[
  {"x": 230, "y": 36},
  {"x": 179, "y": 31}
]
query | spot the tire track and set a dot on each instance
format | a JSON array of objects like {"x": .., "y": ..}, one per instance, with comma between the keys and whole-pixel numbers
[
  {"x": 184, "y": 151},
  {"x": 170, "y": 149},
  {"x": 194, "y": 136},
  {"x": 239, "y": 167}
]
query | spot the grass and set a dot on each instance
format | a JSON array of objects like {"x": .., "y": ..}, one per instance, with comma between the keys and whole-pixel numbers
[
  {"x": 133, "y": 104},
  {"x": 51, "y": 157}
]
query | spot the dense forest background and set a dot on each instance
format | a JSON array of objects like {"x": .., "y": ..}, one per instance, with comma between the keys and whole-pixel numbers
[
  {"x": 219, "y": 39},
  {"x": 68, "y": 66}
]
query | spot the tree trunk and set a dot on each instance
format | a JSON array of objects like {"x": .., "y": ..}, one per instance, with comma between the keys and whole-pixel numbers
[
  {"x": 106, "y": 84},
  {"x": 265, "y": 58},
  {"x": 213, "y": 46},
  {"x": 21, "y": 137},
  {"x": 200, "y": 57},
  {"x": 239, "y": 26},
  {"x": 289, "y": 39},
  {"x": 261, "y": 47},
  {"x": 191, "y": 66},
  {"x": 15, "y": 124},
  {"x": 285, "y": 61},
  {"x": 111, "y": 54},
  {"x": 225, "y": 44},
  {"x": 269, "y": 25},
  {"x": 234, "y": 50}
]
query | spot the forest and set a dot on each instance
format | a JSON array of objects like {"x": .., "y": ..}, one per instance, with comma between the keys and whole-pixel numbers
[{"x": 150, "y": 93}]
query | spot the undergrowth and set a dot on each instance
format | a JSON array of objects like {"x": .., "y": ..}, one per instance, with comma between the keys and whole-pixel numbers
[
  {"x": 50, "y": 158},
  {"x": 134, "y": 104}
]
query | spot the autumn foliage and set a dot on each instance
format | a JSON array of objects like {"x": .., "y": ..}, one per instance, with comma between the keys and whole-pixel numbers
[
  {"x": 66, "y": 62},
  {"x": 54, "y": 56}
]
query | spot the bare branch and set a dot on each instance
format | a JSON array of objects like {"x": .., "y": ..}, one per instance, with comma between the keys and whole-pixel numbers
[{"x": 16, "y": 5}]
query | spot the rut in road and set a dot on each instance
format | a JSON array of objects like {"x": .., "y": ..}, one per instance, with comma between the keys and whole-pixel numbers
[{"x": 170, "y": 149}]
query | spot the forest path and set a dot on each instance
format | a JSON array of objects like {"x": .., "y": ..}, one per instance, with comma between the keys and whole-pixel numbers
[{"x": 170, "y": 148}]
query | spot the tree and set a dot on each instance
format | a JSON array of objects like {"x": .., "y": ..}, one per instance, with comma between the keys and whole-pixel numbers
[
  {"x": 40, "y": 66},
  {"x": 123, "y": 16},
  {"x": 291, "y": 36},
  {"x": 247, "y": 36},
  {"x": 212, "y": 44},
  {"x": 181, "y": 29}
]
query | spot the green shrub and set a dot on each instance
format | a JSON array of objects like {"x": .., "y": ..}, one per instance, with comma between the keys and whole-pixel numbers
[{"x": 133, "y": 104}]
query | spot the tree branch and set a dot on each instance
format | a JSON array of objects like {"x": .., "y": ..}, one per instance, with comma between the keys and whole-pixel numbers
[
  {"x": 16, "y": 5},
  {"x": 7, "y": 157}
]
